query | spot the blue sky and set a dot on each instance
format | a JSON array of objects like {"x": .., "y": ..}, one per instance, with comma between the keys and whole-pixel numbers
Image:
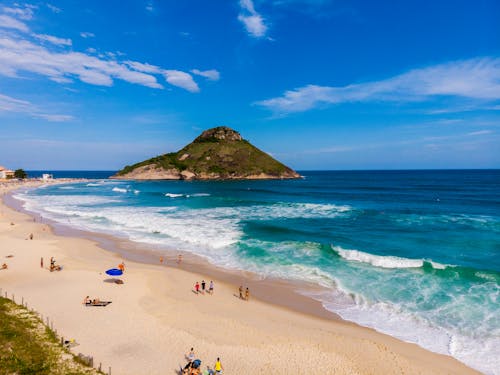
[{"x": 319, "y": 84}]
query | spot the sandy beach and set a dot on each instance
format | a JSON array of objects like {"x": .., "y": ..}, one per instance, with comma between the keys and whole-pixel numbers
[{"x": 155, "y": 317}]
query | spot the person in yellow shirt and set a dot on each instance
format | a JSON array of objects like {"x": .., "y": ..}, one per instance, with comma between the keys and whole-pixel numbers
[{"x": 218, "y": 366}]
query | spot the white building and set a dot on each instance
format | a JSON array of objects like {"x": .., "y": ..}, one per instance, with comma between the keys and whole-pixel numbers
[
  {"x": 47, "y": 176},
  {"x": 6, "y": 173}
]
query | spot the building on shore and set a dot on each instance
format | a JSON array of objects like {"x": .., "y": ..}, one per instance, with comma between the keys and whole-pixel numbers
[
  {"x": 47, "y": 176},
  {"x": 6, "y": 173}
]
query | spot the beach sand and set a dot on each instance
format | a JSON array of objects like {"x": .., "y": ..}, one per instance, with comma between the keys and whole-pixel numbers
[{"x": 155, "y": 318}]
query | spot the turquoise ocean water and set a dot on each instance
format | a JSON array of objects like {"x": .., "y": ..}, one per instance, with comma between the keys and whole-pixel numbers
[{"x": 415, "y": 254}]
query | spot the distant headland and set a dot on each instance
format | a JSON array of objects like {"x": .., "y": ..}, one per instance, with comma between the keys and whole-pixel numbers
[{"x": 217, "y": 154}]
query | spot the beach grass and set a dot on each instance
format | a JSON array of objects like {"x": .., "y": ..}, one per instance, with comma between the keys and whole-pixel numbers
[{"x": 27, "y": 346}]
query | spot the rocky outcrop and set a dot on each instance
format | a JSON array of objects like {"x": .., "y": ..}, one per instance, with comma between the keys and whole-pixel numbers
[{"x": 217, "y": 154}]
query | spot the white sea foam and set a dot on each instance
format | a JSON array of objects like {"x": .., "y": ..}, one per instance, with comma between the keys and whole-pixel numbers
[
  {"x": 119, "y": 190},
  {"x": 475, "y": 350},
  {"x": 172, "y": 195},
  {"x": 378, "y": 260},
  {"x": 66, "y": 187},
  {"x": 94, "y": 184}
]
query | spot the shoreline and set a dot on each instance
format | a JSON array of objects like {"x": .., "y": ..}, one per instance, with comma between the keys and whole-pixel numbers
[
  {"x": 347, "y": 343},
  {"x": 279, "y": 292}
]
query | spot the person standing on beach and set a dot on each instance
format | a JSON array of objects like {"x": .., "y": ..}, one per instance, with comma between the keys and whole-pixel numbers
[
  {"x": 121, "y": 267},
  {"x": 190, "y": 356},
  {"x": 203, "y": 284},
  {"x": 247, "y": 294},
  {"x": 211, "y": 287},
  {"x": 197, "y": 287},
  {"x": 41, "y": 262},
  {"x": 218, "y": 366},
  {"x": 241, "y": 291}
]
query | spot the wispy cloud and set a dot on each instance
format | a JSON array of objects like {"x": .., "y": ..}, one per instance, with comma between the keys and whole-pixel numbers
[
  {"x": 211, "y": 74},
  {"x": 25, "y": 13},
  {"x": 54, "y": 8},
  {"x": 87, "y": 34},
  {"x": 8, "y": 22},
  {"x": 20, "y": 54},
  {"x": 181, "y": 79},
  {"x": 476, "y": 79},
  {"x": 9, "y": 104},
  {"x": 253, "y": 21},
  {"x": 53, "y": 39},
  {"x": 480, "y": 132}
]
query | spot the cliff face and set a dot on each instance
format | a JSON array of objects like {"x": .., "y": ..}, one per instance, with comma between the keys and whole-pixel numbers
[{"x": 217, "y": 154}]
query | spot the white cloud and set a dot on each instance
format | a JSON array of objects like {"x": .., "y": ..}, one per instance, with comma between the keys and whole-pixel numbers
[
  {"x": 144, "y": 67},
  {"x": 211, "y": 74},
  {"x": 476, "y": 79},
  {"x": 54, "y": 40},
  {"x": 21, "y": 13},
  {"x": 87, "y": 34},
  {"x": 7, "y": 22},
  {"x": 19, "y": 54},
  {"x": 22, "y": 55},
  {"x": 480, "y": 132},
  {"x": 9, "y": 104},
  {"x": 253, "y": 21},
  {"x": 181, "y": 79},
  {"x": 174, "y": 77},
  {"x": 54, "y": 8}
]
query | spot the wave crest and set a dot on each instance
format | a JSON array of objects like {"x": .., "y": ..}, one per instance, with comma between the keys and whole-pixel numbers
[{"x": 383, "y": 261}]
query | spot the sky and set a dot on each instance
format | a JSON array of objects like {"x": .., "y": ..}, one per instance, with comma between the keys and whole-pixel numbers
[{"x": 318, "y": 84}]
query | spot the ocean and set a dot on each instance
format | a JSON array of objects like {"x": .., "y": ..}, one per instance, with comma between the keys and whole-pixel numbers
[{"x": 414, "y": 254}]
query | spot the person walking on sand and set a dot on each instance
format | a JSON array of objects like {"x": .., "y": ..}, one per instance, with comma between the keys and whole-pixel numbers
[
  {"x": 247, "y": 295},
  {"x": 241, "y": 291},
  {"x": 41, "y": 262},
  {"x": 218, "y": 366},
  {"x": 203, "y": 284},
  {"x": 190, "y": 355},
  {"x": 197, "y": 287},
  {"x": 211, "y": 287}
]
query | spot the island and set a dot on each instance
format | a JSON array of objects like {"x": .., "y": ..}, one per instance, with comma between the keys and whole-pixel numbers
[{"x": 217, "y": 154}]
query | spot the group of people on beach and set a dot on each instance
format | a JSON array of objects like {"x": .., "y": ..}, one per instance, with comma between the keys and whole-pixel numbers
[
  {"x": 245, "y": 296},
  {"x": 203, "y": 286},
  {"x": 193, "y": 367}
]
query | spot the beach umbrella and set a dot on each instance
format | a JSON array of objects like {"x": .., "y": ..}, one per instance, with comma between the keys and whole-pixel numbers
[{"x": 114, "y": 272}]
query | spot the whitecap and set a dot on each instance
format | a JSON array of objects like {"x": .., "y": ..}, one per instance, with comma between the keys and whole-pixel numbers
[
  {"x": 172, "y": 195},
  {"x": 378, "y": 260}
]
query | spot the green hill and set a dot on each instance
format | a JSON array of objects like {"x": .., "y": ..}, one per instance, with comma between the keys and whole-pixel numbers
[{"x": 217, "y": 154}]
